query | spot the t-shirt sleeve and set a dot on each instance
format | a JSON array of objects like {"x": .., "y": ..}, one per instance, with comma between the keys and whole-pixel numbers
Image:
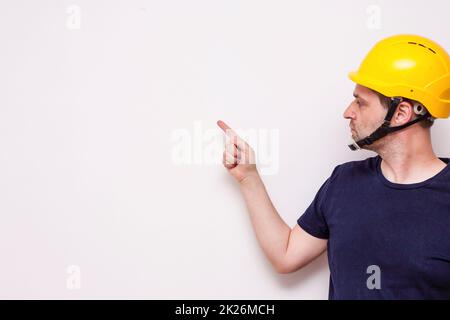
[{"x": 313, "y": 219}]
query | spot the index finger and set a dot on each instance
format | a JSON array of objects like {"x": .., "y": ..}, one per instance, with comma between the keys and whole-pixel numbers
[{"x": 232, "y": 134}]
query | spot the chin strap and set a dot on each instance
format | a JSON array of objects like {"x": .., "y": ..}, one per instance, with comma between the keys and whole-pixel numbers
[{"x": 385, "y": 129}]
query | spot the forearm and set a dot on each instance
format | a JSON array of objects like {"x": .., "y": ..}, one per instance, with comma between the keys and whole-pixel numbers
[{"x": 270, "y": 229}]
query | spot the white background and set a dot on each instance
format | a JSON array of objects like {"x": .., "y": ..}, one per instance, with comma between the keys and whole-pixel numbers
[{"x": 88, "y": 115}]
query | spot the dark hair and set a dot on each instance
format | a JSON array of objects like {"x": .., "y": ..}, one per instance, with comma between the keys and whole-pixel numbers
[{"x": 384, "y": 100}]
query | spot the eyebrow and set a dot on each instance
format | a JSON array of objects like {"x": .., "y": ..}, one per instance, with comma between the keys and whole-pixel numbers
[{"x": 359, "y": 97}]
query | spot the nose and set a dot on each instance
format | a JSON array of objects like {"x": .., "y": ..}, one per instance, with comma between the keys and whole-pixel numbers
[{"x": 349, "y": 113}]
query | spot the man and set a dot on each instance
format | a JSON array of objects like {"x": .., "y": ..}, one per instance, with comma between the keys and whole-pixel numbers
[{"x": 385, "y": 220}]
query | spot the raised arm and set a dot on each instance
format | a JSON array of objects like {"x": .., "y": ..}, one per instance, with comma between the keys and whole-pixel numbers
[{"x": 287, "y": 249}]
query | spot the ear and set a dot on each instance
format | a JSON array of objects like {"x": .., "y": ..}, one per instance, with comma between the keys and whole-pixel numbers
[{"x": 404, "y": 113}]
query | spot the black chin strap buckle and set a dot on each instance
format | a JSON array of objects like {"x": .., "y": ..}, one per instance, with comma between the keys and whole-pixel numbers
[{"x": 354, "y": 146}]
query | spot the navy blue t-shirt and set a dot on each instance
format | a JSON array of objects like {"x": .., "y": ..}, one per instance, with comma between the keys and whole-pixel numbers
[{"x": 385, "y": 240}]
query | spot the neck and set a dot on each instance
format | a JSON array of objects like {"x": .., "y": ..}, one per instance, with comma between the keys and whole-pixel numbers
[{"x": 408, "y": 157}]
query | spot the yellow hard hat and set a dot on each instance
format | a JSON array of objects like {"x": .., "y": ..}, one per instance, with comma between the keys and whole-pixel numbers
[{"x": 409, "y": 66}]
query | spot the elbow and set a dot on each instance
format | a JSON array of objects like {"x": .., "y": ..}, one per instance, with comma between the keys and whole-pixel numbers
[
  {"x": 283, "y": 271},
  {"x": 282, "y": 268}
]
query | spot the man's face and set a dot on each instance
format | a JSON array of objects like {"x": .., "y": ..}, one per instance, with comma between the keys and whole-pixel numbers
[{"x": 366, "y": 113}]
